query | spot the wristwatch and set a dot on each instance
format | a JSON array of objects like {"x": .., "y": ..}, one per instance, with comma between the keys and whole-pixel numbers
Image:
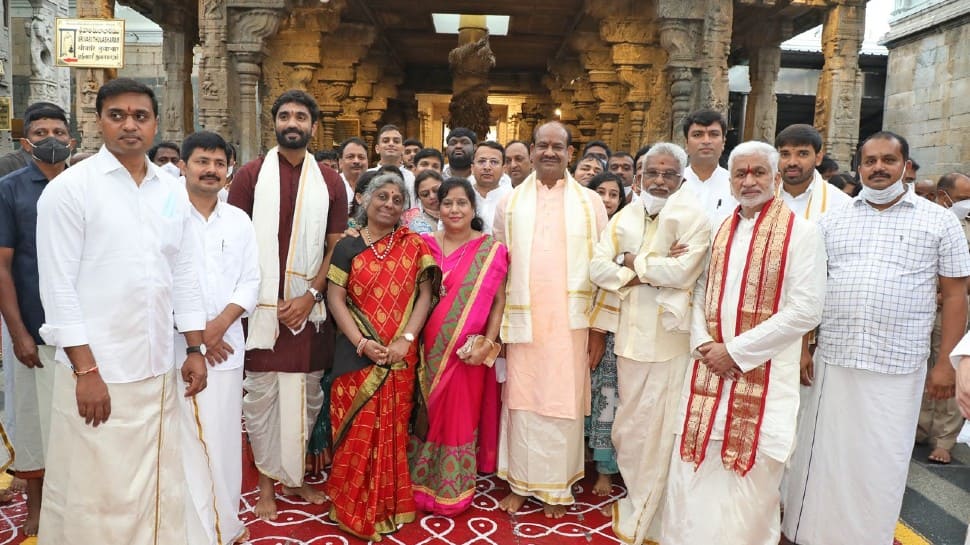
[
  {"x": 409, "y": 337},
  {"x": 317, "y": 296},
  {"x": 195, "y": 350},
  {"x": 619, "y": 259}
]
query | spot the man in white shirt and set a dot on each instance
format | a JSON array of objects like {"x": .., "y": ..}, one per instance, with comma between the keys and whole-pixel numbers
[
  {"x": 390, "y": 147},
  {"x": 802, "y": 188},
  {"x": 518, "y": 163},
  {"x": 352, "y": 163},
  {"x": 761, "y": 293},
  {"x": 704, "y": 131},
  {"x": 487, "y": 179},
  {"x": 227, "y": 264},
  {"x": 115, "y": 249},
  {"x": 646, "y": 264},
  {"x": 870, "y": 366}
]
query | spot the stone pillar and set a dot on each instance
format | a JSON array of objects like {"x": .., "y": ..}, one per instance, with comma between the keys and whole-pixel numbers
[
  {"x": 762, "y": 107},
  {"x": 470, "y": 64},
  {"x": 216, "y": 96},
  {"x": 678, "y": 37},
  {"x": 46, "y": 80},
  {"x": 718, "y": 20},
  {"x": 247, "y": 31},
  {"x": 6, "y": 68},
  {"x": 340, "y": 51},
  {"x": 89, "y": 80},
  {"x": 838, "y": 100},
  {"x": 178, "y": 33}
]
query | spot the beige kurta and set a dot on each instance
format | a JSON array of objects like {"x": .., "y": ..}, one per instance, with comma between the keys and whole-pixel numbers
[{"x": 548, "y": 379}]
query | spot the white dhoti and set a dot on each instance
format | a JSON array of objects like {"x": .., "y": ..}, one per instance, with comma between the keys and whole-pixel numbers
[
  {"x": 120, "y": 483},
  {"x": 716, "y": 505},
  {"x": 852, "y": 412},
  {"x": 280, "y": 410},
  {"x": 32, "y": 406},
  {"x": 540, "y": 456},
  {"x": 212, "y": 457},
  {"x": 9, "y": 391},
  {"x": 643, "y": 435}
]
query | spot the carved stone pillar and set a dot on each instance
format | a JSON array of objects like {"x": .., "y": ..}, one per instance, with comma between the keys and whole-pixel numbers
[
  {"x": 46, "y": 81},
  {"x": 762, "y": 111},
  {"x": 247, "y": 31},
  {"x": 719, "y": 16},
  {"x": 216, "y": 96},
  {"x": 470, "y": 64},
  {"x": 89, "y": 80},
  {"x": 177, "y": 36},
  {"x": 341, "y": 50},
  {"x": 6, "y": 68},
  {"x": 838, "y": 100},
  {"x": 679, "y": 38}
]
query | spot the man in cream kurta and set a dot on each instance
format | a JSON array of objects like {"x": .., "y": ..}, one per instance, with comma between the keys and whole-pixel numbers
[
  {"x": 662, "y": 241},
  {"x": 725, "y": 476},
  {"x": 547, "y": 391}
]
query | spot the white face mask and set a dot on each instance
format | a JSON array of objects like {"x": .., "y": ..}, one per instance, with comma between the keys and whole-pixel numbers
[
  {"x": 884, "y": 196},
  {"x": 229, "y": 171},
  {"x": 171, "y": 169},
  {"x": 961, "y": 209},
  {"x": 652, "y": 204}
]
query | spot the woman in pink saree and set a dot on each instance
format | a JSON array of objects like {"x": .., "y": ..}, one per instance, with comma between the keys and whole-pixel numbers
[{"x": 456, "y": 430}]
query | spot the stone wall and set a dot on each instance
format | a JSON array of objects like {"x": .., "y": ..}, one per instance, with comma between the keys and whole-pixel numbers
[{"x": 927, "y": 86}]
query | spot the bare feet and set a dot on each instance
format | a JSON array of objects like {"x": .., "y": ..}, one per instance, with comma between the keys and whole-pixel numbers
[
  {"x": 18, "y": 485},
  {"x": 35, "y": 488},
  {"x": 940, "y": 455},
  {"x": 6, "y": 496},
  {"x": 554, "y": 511},
  {"x": 243, "y": 537},
  {"x": 607, "y": 510},
  {"x": 307, "y": 492},
  {"x": 265, "y": 507},
  {"x": 604, "y": 485},
  {"x": 511, "y": 503}
]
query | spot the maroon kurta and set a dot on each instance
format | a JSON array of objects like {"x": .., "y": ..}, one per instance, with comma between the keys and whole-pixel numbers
[{"x": 310, "y": 350}]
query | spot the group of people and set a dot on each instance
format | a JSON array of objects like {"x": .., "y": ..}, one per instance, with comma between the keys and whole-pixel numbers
[{"x": 699, "y": 331}]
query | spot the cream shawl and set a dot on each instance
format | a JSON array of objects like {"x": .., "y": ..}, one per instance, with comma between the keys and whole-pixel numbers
[
  {"x": 632, "y": 231},
  {"x": 581, "y": 235},
  {"x": 306, "y": 250}
]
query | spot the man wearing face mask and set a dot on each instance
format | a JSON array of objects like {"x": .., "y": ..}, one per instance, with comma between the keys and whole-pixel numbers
[
  {"x": 940, "y": 419},
  {"x": 49, "y": 144},
  {"x": 880, "y": 304},
  {"x": 646, "y": 264}
]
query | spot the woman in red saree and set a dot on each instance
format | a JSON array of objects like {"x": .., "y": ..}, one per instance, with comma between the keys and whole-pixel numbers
[
  {"x": 380, "y": 292},
  {"x": 458, "y": 390}
]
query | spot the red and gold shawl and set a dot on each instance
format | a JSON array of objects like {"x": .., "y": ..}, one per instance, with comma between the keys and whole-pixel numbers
[{"x": 760, "y": 293}]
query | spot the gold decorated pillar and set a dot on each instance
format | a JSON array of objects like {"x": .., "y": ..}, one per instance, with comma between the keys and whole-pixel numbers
[{"x": 838, "y": 100}]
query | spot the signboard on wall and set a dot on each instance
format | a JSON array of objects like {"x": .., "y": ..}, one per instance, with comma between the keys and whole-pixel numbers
[
  {"x": 6, "y": 114},
  {"x": 89, "y": 43}
]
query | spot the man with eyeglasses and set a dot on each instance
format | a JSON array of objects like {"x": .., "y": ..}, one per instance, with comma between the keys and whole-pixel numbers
[
  {"x": 646, "y": 264},
  {"x": 115, "y": 247},
  {"x": 486, "y": 178}
]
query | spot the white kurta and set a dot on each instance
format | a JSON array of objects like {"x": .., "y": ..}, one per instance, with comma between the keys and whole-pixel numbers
[
  {"x": 116, "y": 273},
  {"x": 651, "y": 359},
  {"x": 713, "y": 194},
  {"x": 777, "y": 339},
  {"x": 228, "y": 269},
  {"x": 816, "y": 200}
]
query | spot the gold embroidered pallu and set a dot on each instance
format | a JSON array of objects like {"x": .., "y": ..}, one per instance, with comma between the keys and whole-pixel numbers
[{"x": 761, "y": 284}]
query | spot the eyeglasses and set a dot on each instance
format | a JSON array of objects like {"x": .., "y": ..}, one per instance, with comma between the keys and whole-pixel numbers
[
  {"x": 488, "y": 162},
  {"x": 669, "y": 176}
]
